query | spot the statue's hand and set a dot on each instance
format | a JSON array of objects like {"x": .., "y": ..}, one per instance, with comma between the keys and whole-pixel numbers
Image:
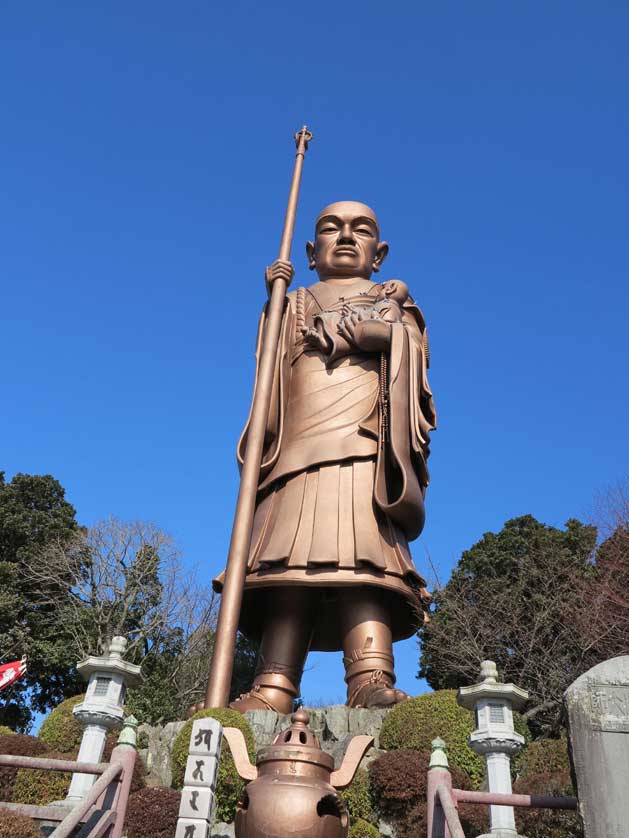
[
  {"x": 367, "y": 333},
  {"x": 280, "y": 269}
]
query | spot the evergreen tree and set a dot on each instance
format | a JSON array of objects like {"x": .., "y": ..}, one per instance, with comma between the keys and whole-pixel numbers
[
  {"x": 33, "y": 514},
  {"x": 513, "y": 598}
]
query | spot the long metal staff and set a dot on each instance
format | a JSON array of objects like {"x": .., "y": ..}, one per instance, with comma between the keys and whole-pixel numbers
[{"x": 225, "y": 642}]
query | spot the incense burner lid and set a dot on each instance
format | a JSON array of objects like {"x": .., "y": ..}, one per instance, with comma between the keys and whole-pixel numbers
[{"x": 296, "y": 743}]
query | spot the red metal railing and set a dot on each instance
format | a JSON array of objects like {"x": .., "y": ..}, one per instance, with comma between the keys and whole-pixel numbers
[
  {"x": 443, "y": 800},
  {"x": 103, "y": 808}
]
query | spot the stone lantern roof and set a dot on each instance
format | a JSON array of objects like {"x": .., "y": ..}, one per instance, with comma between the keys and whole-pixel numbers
[
  {"x": 491, "y": 689},
  {"x": 113, "y": 663}
]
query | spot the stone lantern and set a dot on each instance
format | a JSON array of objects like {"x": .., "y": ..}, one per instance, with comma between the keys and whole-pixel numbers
[
  {"x": 495, "y": 738},
  {"x": 103, "y": 707}
]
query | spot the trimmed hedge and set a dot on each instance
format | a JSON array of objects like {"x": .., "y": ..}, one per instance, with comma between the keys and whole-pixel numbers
[
  {"x": 415, "y": 723},
  {"x": 363, "y": 829},
  {"x": 398, "y": 781},
  {"x": 6, "y": 731},
  {"x": 230, "y": 786},
  {"x": 17, "y": 826},
  {"x": 17, "y": 744},
  {"x": 358, "y": 798},
  {"x": 61, "y": 730},
  {"x": 547, "y": 823},
  {"x": 152, "y": 812},
  {"x": 40, "y": 787},
  {"x": 544, "y": 756}
]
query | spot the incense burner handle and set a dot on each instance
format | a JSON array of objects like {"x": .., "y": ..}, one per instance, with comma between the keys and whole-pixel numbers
[
  {"x": 356, "y": 750},
  {"x": 238, "y": 748}
]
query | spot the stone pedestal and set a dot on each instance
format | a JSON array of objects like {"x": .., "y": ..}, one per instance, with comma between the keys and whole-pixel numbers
[
  {"x": 499, "y": 780},
  {"x": 598, "y": 712}
]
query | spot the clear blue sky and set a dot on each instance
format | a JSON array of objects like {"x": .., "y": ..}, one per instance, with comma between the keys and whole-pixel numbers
[{"x": 146, "y": 151}]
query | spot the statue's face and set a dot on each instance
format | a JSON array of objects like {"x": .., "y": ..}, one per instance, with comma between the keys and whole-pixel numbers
[{"x": 347, "y": 242}]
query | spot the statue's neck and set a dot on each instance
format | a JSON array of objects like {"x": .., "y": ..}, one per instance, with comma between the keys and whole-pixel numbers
[{"x": 345, "y": 282}]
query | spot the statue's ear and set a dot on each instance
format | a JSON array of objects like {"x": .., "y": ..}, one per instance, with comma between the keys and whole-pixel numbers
[
  {"x": 310, "y": 252},
  {"x": 381, "y": 255}
]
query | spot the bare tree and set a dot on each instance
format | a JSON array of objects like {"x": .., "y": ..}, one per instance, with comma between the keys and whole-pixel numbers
[
  {"x": 119, "y": 578},
  {"x": 124, "y": 579},
  {"x": 603, "y": 619}
]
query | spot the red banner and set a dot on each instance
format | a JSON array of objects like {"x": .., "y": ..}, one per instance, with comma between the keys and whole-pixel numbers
[{"x": 10, "y": 672}]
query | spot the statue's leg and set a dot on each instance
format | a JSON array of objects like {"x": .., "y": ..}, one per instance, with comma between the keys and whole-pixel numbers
[
  {"x": 285, "y": 642},
  {"x": 368, "y": 649}
]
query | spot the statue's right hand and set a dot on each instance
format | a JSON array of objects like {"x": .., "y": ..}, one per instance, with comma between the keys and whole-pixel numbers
[{"x": 280, "y": 269}]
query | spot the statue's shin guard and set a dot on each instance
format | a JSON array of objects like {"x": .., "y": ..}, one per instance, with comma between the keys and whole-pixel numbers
[
  {"x": 275, "y": 690},
  {"x": 365, "y": 667}
]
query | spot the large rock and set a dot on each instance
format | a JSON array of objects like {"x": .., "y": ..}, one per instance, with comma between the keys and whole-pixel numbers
[
  {"x": 598, "y": 711},
  {"x": 157, "y": 751},
  {"x": 330, "y": 725},
  {"x": 333, "y": 726}
]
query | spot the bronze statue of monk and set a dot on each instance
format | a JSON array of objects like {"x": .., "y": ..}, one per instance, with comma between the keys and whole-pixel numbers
[{"x": 344, "y": 474}]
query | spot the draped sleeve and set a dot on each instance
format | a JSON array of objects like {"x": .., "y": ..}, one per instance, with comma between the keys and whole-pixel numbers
[
  {"x": 401, "y": 470},
  {"x": 279, "y": 395}
]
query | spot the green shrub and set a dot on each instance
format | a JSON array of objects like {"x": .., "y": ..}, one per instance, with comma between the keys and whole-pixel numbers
[
  {"x": 17, "y": 744},
  {"x": 61, "y": 730},
  {"x": 398, "y": 782},
  {"x": 363, "y": 829},
  {"x": 358, "y": 798},
  {"x": 40, "y": 787},
  {"x": 152, "y": 812},
  {"x": 415, "y": 723},
  {"x": 230, "y": 786},
  {"x": 17, "y": 826},
  {"x": 544, "y": 756},
  {"x": 6, "y": 731},
  {"x": 547, "y": 823}
]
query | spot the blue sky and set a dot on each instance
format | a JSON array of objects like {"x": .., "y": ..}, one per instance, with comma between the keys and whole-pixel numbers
[{"x": 146, "y": 152}]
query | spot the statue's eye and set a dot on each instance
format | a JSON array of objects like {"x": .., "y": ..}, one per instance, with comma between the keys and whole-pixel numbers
[
  {"x": 364, "y": 231},
  {"x": 329, "y": 228}
]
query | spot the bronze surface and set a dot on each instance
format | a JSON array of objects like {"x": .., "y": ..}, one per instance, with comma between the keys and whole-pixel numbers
[
  {"x": 340, "y": 490},
  {"x": 223, "y": 658},
  {"x": 293, "y": 788}
]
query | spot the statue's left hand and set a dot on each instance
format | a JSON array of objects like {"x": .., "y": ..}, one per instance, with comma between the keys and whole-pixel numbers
[{"x": 367, "y": 333}]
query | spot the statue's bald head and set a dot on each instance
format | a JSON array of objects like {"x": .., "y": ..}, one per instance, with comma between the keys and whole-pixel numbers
[
  {"x": 354, "y": 208},
  {"x": 347, "y": 242}
]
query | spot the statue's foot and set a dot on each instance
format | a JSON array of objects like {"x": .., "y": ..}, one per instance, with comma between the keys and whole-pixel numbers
[
  {"x": 250, "y": 701},
  {"x": 195, "y": 708},
  {"x": 386, "y": 697},
  {"x": 376, "y": 692},
  {"x": 262, "y": 698}
]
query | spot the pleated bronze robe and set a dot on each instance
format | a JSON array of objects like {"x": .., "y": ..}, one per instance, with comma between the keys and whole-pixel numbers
[{"x": 341, "y": 488}]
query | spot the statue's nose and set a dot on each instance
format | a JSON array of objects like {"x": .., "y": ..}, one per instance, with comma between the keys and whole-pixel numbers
[{"x": 347, "y": 235}]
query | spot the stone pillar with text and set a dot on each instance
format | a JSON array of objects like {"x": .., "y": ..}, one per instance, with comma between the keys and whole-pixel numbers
[
  {"x": 198, "y": 803},
  {"x": 598, "y": 717}
]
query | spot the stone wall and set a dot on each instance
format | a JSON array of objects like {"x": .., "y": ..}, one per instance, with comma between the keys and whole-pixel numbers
[{"x": 333, "y": 726}]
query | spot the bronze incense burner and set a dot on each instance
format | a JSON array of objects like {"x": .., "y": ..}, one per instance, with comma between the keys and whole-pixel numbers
[{"x": 293, "y": 785}]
